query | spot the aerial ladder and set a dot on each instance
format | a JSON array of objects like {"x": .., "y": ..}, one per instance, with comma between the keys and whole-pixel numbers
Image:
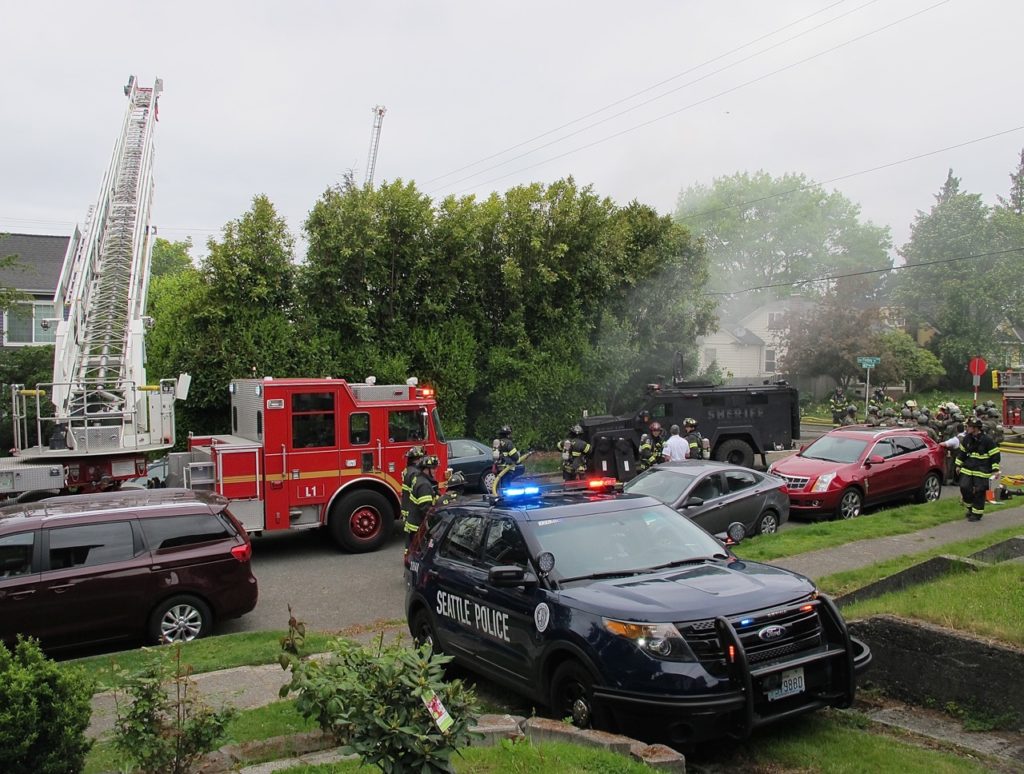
[
  {"x": 98, "y": 419},
  {"x": 371, "y": 161}
]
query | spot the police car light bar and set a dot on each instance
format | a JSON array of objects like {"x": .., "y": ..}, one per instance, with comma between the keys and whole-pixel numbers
[{"x": 520, "y": 492}]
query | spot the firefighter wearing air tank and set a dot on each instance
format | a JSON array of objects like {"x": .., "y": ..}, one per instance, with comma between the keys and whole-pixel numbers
[
  {"x": 506, "y": 456},
  {"x": 575, "y": 455},
  {"x": 422, "y": 495},
  {"x": 977, "y": 461},
  {"x": 694, "y": 440}
]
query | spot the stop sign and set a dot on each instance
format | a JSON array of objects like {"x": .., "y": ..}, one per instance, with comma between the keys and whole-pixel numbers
[{"x": 977, "y": 366}]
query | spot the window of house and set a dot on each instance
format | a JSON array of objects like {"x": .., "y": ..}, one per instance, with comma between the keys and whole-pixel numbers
[
  {"x": 23, "y": 324},
  {"x": 312, "y": 420},
  {"x": 776, "y": 320},
  {"x": 769, "y": 361}
]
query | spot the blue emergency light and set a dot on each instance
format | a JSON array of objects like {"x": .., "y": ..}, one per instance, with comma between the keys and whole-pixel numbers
[{"x": 520, "y": 492}]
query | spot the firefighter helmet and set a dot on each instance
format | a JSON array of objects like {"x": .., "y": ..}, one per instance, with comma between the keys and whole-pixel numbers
[
  {"x": 910, "y": 404},
  {"x": 689, "y": 422},
  {"x": 428, "y": 461},
  {"x": 577, "y": 430},
  {"x": 505, "y": 431},
  {"x": 993, "y": 412},
  {"x": 975, "y": 422},
  {"x": 990, "y": 404},
  {"x": 655, "y": 429},
  {"x": 645, "y": 439},
  {"x": 414, "y": 454},
  {"x": 905, "y": 413}
]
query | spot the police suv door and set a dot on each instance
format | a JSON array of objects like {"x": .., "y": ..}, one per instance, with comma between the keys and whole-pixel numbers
[
  {"x": 454, "y": 573},
  {"x": 509, "y": 637}
]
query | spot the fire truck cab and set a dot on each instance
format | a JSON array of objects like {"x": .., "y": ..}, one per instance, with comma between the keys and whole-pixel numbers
[{"x": 306, "y": 453}]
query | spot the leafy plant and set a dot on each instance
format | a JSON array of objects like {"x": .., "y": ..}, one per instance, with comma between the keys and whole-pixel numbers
[
  {"x": 44, "y": 712},
  {"x": 165, "y": 730},
  {"x": 382, "y": 705}
]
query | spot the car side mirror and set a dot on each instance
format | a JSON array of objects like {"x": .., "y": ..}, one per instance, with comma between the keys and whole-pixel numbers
[
  {"x": 506, "y": 576},
  {"x": 874, "y": 459},
  {"x": 693, "y": 502}
]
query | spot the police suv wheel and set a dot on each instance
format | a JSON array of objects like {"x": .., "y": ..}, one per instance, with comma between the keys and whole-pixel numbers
[
  {"x": 361, "y": 521},
  {"x": 572, "y": 697},
  {"x": 423, "y": 630}
]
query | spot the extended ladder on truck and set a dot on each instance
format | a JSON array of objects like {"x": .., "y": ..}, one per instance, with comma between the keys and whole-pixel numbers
[{"x": 95, "y": 422}]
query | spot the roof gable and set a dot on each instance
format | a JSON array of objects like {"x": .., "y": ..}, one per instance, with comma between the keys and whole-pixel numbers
[{"x": 39, "y": 261}]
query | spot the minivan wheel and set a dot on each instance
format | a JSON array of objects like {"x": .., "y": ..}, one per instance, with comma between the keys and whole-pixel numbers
[{"x": 180, "y": 619}]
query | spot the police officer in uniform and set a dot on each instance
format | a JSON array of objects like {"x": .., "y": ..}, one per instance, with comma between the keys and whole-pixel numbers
[
  {"x": 849, "y": 416},
  {"x": 693, "y": 439},
  {"x": 575, "y": 453},
  {"x": 506, "y": 456}
]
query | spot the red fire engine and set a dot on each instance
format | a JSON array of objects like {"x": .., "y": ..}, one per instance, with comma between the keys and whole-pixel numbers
[
  {"x": 1011, "y": 383},
  {"x": 306, "y": 453}
]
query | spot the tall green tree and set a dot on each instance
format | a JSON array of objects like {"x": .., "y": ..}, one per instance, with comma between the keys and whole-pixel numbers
[
  {"x": 903, "y": 362},
  {"x": 170, "y": 257},
  {"x": 953, "y": 282},
  {"x": 771, "y": 232}
]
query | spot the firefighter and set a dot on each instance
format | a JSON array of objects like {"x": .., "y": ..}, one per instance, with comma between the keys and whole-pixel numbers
[
  {"x": 575, "y": 455},
  {"x": 837, "y": 403},
  {"x": 506, "y": 456},
  {"x": 693, "y": 439},
  {"x": 977, "y": 461},
  {"x": 412, "y": 458},
  {"x": 657, "y": 442},
  {"x": 422, "y": 496},
  {"x": 646, "y": 452}
]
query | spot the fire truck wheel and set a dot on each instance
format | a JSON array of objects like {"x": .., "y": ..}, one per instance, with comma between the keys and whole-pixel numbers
[
  {"x": 735, "y": 452},
  {"x": 361, "y": 521}
]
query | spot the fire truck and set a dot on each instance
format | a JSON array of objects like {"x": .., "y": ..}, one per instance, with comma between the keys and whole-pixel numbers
[
  {"x": 1011, "y": 383},
  {"x": 94, "y": 424},
  {"x": 308, "y": 453}
]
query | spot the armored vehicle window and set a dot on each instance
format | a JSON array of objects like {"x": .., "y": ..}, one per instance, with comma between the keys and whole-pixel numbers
[
  {"x": 312, "y": 420},
  {"x": 175, "y": 531},
  {"x": 505, "y": 544},
  {"x": 407, "y": 425},
  {"x": 464, "y": 539},
  {"x": 16, "y": 554},
  {"x": 88, "y": 545}
]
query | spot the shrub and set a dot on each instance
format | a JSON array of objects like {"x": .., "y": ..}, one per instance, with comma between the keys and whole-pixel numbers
[
  {"x": 44, "y": 712},
  {"x": 381, "y": 705},
  {"x": 165, "y": 730}
]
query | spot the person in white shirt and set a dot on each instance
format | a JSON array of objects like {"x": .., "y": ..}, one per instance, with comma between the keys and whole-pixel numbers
[{"x": 676, "y": 448}]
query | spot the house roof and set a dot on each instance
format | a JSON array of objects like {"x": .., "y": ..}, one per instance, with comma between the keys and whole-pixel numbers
[
  {"x": 39, "y": 261},
  {"x": 744, "y": 336}
]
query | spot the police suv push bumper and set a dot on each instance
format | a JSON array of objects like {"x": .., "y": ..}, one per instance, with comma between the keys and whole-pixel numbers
[{"x": 842, "y": 656}]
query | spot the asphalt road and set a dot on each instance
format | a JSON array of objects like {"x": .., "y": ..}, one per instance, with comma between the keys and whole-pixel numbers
[{"x": 331, "y": 590}]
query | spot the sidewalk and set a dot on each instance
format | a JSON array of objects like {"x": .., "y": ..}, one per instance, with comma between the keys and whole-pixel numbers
[{"x": 852, "y": 556}]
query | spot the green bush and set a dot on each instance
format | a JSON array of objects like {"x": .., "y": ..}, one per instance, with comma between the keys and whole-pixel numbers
[
  {"x": 167, "y": 731},
  {"x": 376, "y": 704},
  {"x": 44, "y": 712}
]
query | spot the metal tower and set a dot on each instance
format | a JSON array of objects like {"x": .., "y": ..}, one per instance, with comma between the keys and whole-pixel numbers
[{"x": 371, "y": 164}]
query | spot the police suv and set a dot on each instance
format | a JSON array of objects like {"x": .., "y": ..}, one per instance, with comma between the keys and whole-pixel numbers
[{"x": 617, "y": 611}]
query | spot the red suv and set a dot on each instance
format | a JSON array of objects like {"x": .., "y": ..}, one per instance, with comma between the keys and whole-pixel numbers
[
  {"x": 850, "y": 467},
  {"x": 163, "y": 564}
]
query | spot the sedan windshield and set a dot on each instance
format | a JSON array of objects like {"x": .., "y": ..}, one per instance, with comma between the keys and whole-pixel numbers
[
  {"x": 835, "y": 449},
  {"x": 665, "y": 485},
  {"x": 625, "y": 542}
]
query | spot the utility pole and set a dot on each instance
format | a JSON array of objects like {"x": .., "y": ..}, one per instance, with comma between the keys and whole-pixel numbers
[{"x": 371, "y": 164}]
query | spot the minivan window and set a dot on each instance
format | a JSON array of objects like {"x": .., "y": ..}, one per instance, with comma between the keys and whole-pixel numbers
[
  {"x": 16, "y": 554},
  {"x": 87, "y": 545},
  {"x": 175, "y": 531}
]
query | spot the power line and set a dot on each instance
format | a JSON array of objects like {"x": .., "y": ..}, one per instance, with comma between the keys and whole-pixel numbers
[
  {"x": 707, "y": 99},
  {"x": 650, "y": 88},
  {"x": 865, "y": 272},
  {"x": 664, "y": 94}
]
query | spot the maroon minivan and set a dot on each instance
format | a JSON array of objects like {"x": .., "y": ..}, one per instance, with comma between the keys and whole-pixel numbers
[{"x": 159, "y": 564}]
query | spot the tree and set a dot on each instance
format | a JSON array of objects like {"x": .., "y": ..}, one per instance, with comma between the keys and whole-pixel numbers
[
  {"x": 170, "y": 257},
  {"x": 903, "y": 361},
  {"x": 953, "y": 282},
  {"x": 773, "y": 232}
]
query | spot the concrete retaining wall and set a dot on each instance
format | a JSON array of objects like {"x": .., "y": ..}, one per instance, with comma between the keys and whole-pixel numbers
[{"x": 919, "y": 662}]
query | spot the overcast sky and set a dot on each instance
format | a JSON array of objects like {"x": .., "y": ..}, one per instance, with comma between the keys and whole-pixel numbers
[{"x": 277, "y": 97}]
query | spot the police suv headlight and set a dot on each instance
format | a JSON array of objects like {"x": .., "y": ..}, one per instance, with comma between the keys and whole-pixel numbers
[
  {"x": 661, "y": 640},
  {"x": 823, "y": 481}
]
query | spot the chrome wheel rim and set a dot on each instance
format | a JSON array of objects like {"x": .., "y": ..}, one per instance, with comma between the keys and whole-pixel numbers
[
  {"x": 181, "y": 623},
  {"x": 932, "y": 489},
  {"x": 849, "y": 506}
]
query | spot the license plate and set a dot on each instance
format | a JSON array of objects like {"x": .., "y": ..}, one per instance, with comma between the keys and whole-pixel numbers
[{"x": 791, "y": 683}]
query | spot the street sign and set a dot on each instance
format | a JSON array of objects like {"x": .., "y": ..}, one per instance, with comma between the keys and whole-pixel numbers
[
  {"x": 977, "y": 366},
  {"x": 868, "y": 362}
]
